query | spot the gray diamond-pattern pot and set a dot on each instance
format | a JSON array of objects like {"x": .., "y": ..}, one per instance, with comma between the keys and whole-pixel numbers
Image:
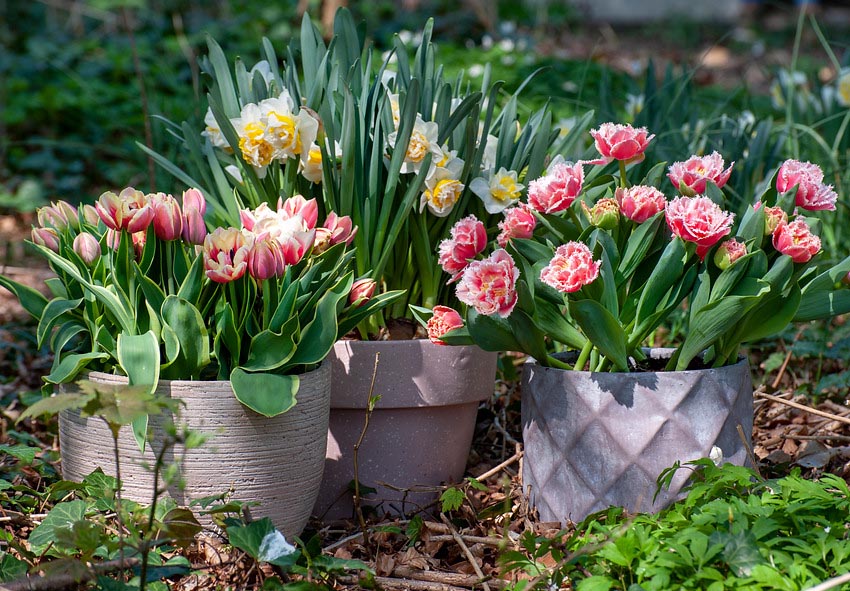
[{"x": 593, "y": 440}]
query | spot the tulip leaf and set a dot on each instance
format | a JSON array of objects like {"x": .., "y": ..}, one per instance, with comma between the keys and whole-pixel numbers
[
  {"x": 138, "y": 356},
  {"x": 752, "y": 225},
  {"x": 191, "y": 332},
  {"x": 31, "y": 300},
  {"x": 667, "y": 272},
  {"x": 154, "y": 295},
  {"x": 226, "y": 334},
  {"x": 71, "y": 365},
  {"x": 528, "y": 334},
  {"x": 64, "y": 335},
  {"x": 769, "y": 316},
  {"x": 816, "y": 305},
  {"x": 190, "y": 289},
  {"x": 285, "y": 307},
  {"x": 270, "y": 350},
  {"x": 729, "y": 277},
  {"x": 269, "y": 394},
  {"x": 554, "y": 324},
  {"x": 318, "y": 336},
  {"x": 491, "y": 333},
  {"x": 637, "y": 247},
  {"x": 355, "y": 316},
  {"x": 603, "y": 330},
  {"x": 53, "y": 313}
]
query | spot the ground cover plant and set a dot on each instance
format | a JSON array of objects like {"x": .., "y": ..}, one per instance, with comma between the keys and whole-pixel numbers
[{"x": 782, "y": 528}]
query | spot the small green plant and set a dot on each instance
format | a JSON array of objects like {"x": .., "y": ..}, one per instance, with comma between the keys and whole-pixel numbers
[{"x": 732, "y": 531}]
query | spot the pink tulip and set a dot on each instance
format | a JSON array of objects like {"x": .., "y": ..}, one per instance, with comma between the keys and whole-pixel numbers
[
  {"x": 130, "y": 210},
  {"x": 811, "y": 194},
  {"x": 728, "y": 252},
  {"x": 87, "y": 247},
  {"x": 443, "y": 320},
  {"x": 519, "y": 222},
  {"x": 59, "y": 215},
  {"x": 489, "y": 285},
  {"x": 139, "y": 240},
  {"x": 362, "y": 291},
  {"x": 796, "y": 240},
  {"x": 557, "y": 190},
  {"x": 341, "y": 228},
  {"x": 265, "y": 259},
  {"x": 226, "y": 254},
  {"x": 468, "y": 238},
  {"x": 698, "y": 220},
  {"x": 90, "y": 214},
  {"x": 615, "y": 141},
  {"x": 571, "y": 268},
  {"x": 773, "y": 216},
  {"x": 167, "y": 219},
  {"x": 47, "y": 237},
  {"x": 194, "y": 207},
  {"x": 639, "y": 203},
  {"x": 113, "y": 238},
  {"x": 690, "y": 177},
  {"x": 298, "y": 205}
]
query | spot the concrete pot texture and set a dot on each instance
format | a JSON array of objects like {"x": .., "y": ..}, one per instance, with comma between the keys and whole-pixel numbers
[
  {"x": 593, "y": 440},
  {"x": 420, "y": 431},
  {"x": 276, "y": 461}
]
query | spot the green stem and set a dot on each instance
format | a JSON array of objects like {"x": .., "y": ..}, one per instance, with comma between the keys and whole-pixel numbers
[
  {"x": 557, "y": 363},
  {"x": 582, "y": 357},
  {"x": 623, "y": 183}
]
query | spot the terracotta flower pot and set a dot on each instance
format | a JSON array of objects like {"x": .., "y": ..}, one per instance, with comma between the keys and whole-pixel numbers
[
  {"x": 421, "y": 430},
  {"x": 275, "y": 461},
  {"x": 593, "y": 440}
]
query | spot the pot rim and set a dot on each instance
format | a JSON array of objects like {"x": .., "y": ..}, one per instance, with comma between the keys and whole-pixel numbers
[{"x": 652, "y": 353}]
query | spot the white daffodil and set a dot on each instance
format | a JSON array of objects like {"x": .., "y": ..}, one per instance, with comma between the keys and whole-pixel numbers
[
  {"x": 311, "y": 166},
  {"x": 264, "y": 69},
  {"x": 443, "y": 187},
  {"x": 213, "y": 132},
  {"x": 254, "y": 144},
  {"x": 498, "y": 191},
  {"x": 488, "y": 159},
  {"x": 842, "y": 87},
  {"x": 283, "y": 126},
  {"x": 423, "y": 141}
]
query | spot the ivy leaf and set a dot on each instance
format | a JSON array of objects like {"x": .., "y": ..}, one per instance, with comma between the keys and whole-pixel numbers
[
  {"x": 24, "y": 453},
  {"x": 263, "y": 542},
  {"x": 62, "y": 516}
]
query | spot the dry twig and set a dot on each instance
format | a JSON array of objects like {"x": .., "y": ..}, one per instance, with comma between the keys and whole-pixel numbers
[
  {"x": 67, "y": 581},
  {"x": 466, "y": 551},
  {"x": 803, "y": 407}
]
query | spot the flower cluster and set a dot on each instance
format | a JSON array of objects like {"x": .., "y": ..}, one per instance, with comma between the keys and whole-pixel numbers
[{"x": 600, "y": 276}]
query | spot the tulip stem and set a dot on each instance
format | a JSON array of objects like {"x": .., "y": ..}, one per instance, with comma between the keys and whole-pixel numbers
[
  {"x": 582, "y": 357},
  {"x": 623, "y": 182}
]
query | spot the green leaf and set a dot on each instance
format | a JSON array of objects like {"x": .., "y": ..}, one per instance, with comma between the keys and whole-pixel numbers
[
  {"x": 319, "y": 335},
  {"x": 11, "y": 568},
  {"x": 266, "y": 393},
  {"x": 740, "y": 551},
  {"x": 62, "y": 516},
  {"x": 637, "y": 247},
  {"x": 71, "y": 365},
  {"x": 595, "y": 583},
  {"x": 554, "y": 324},
  {"x": 31, "y": 300},
  {"x": 139, "y": 358},
  {"x": 667, "y": 272},
  {"x": 121, "y": 404},
  {"x": 55, "y": 404},
  {"x": 491, "y": 333},
  {"x": 269, "y": 350},
  {"x": 24, "y": 453},
  {"x": 53, "y": 313},
  {"x": 452, "y": 499},
  {"x": 260, "y": 540},
  {"x": 528, "y": 335},
  {"x": 603, "y": 330},
  {"x": 191, "y": 332}
]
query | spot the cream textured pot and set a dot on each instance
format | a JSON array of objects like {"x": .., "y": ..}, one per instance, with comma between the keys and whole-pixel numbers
[
  {"x": 421, "y": 430},
  {"x": 274, "y": 461},
  {"x": 592, "y": 440}
]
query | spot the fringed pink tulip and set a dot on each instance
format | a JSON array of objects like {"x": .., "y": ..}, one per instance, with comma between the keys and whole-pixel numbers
[
  {"x": 698, "y": 220},
  {"x": 605, "y": 213},
  {"x": 557, "y": 190},
  {"x": 795, "y": 239},
  {"x": 639, "y": 203},
  {"x": 468, "y": 239},
  {"x": 489, "y": 285},
  {"x": 615, "y": 141},
  {"x": 519, "y": 222},
  {"x": 443, "y": 320},
  {"x": 811, "y": 194},
  {"x": 571, "y": 268},
  {"x": 691, "y": 176}
]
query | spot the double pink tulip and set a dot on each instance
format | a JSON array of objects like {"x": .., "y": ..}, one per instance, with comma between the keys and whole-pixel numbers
[
  {"x": 616, "y": 141},
  {"x": 519, "y": 222},
  {"x": 571, "y": 268},
  {"x": 699, "y": 220},
  {"x": 130, "y": 210},
  {"x": 795, "y": 239},
  {"x": 811, "y": 194},
  {"x": 640, "y": 202},
  {"x": 691, "y": 176},
  {"x": 443, "y": 320},
  {"x": 468, "y": 239},
  {"x": 489, "y": 285}
]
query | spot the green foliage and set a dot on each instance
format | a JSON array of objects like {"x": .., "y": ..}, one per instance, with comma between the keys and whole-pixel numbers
[{"x": 732, "y": 531}]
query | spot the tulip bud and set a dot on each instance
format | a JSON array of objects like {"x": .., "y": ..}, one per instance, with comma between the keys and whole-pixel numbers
[
  {"x": 48, "y": 237},
  {"x": 167, "y": 220},
  {"x": 729, "y": 252},
  {"x": 323, "y": 240},
  {"x": 443, "y": 320},
  {"x": 605, "y": 214},
  {"x": 59, "y": 215},
  {"x": 362, "y": 291},
  {"x": 139, "y": 240},
  {"x": 265, "y": 259},
  {"x": 194, "y": 199},
  {"x": 87, "y": 247},
  {"x": 90, "y": 214},
  {"x": 341, "y": 227},
  {"x": 194, "y": 206},
  {"x": 773, "y": 216}
]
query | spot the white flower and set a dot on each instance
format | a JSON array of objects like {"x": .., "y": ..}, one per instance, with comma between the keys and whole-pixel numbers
[
  {"x": 423, "y": 140},
  {"x": 498, "y": 191},
  {"x": 634, "y": 104},
  {"x": 290, "y": 134},
  {"x": 488, "y": 159},
  {"x": 442, "y": 186},
  {"x": 716, "y": 455},
  {"x": 233, "y": 171},
  {"x": 311, "y": 166},
  {"x": 254, "y": 144},
  {"x": 213, "y": 132},
  {"x": 842, "y": 87}
]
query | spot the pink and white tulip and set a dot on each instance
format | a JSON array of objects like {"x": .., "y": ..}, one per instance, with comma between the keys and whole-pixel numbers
[
  {"x": 443, "y": 320},
  {"x": 557, "y": 190},
  {"x": 226, "y": 254},
  {"x": 691, "y": 176},
  {"x": 811, "y": 193},
  {"x": 167, "y": 219},
  {"x": 615, "y": 141},
  {"x": 699, "y": 220},
  {"x": 87, "y": 247},
  {"x": 468, "y": 239},
  {"x": 519, "y": 222},
  {"x": 640, "y": 202},
  {"x": 130, "y": 210},
  {"x": 362, "y": 291},
  {"x": 571, "y": 268},
  {"x": 489, "y": 285},
  {"x": 795, "y": 239}
]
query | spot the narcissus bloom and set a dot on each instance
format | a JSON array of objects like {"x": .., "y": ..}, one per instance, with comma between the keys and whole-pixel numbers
[
  {"x": 212, "y": 131},
  {"x": 699, "y": 220},
  {"x": 423, "y": 141},
  {"x": 811, "y": 194},
  {"x": 226, "y": 254},
  {"x": 489, "y": 285},
  {"x": 87, "y": 247},
  {"x": 640, "y": 202},
  {"x": 557, "y": 190},
  {"x": 130, "y": 210},
  {"x": 690, "y": 177},
  {"x": 571, "y": 268},
  {"x": 795, "y": 239},
  {"x": 519, "y": 222},
  {"x": 616, "y": 141},
  {"x": 442, "y": 321},
  {"x": 468, "y": 239},
  {"x": 441, "y": 193},
  {"x": 499, "y": 191}
]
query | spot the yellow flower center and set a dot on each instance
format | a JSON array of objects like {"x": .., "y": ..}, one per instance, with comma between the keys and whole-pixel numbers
[
  {"x": 506, "y": 189},
  {"x": 314, "y": 156},
  {"x": 445, "y": 193},
  {"x": 283, "y": 128},
  {"x": 418, "y": 147}
]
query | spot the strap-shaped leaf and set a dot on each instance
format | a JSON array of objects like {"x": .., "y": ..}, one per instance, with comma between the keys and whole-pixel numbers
[
  {"x": 191, "y": 332},
  {"x": 667, "y": 272},
  {"x": 31, "y": 300},
  {"x": 355, "y": 316},
  {"x": 528, "y": 335},
  {"x": 491, "y": 333},
  {"x": 553, "y": 322},
  {"x": 602, "y": 329},
  {"x": 190, "y": 289},
  {"x": 319, "y": 335},
  {"x": 637, "y": 247},
  {"x": 269, "y": 394},
  {"x": 71, "y": 365},
  {"x": 53, "y": 313}
]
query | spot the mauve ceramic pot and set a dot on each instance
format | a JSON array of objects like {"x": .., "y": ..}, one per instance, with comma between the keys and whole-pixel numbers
[
  {"x": 420, "y": 432},
  {"x": 593, "y": 440},
  {"x": 275, "y": 461}
]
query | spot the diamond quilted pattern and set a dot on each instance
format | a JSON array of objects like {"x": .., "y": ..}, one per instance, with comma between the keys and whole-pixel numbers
[{"x": 595, "y": 440}]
